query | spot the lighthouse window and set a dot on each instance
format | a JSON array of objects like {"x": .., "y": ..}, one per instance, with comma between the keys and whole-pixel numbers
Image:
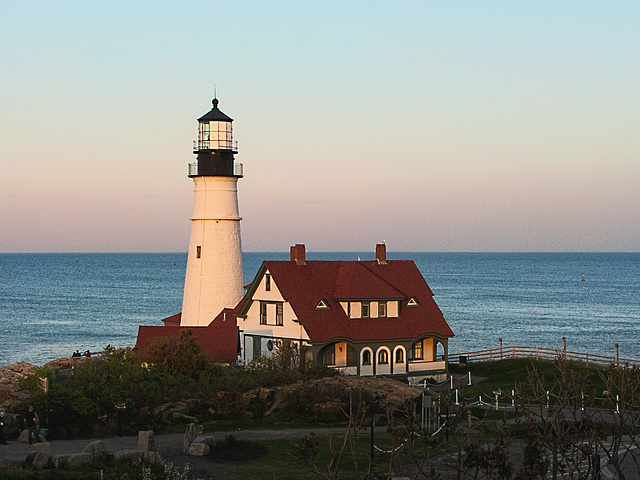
[{"x": 198, "y": 251}]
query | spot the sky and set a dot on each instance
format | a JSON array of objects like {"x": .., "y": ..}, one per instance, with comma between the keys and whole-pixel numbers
[{"x": 433, "y": 126}]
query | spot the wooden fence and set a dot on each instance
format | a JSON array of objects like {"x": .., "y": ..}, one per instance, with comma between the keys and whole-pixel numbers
[{"x": 539, "y": 353}]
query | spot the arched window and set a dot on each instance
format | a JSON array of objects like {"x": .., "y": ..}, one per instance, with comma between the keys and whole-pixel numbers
[
  {"x": 383, "y": 357},
  {"x": 399, "y": 356},
  {"x": 366, "y": 357}
]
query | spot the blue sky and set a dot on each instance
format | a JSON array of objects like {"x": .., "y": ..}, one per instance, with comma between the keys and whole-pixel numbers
[{"x": 435, "y": 126}]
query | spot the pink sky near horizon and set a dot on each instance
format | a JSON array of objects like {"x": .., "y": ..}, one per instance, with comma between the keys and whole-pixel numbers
[{"x": 431, "y": 126}]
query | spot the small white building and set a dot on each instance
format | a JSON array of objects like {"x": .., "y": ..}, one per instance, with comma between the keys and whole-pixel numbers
[{"x": 374, "y": 317}]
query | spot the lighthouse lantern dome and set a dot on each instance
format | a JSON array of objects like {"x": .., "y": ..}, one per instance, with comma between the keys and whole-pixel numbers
[{"x": 215, "y": 131}]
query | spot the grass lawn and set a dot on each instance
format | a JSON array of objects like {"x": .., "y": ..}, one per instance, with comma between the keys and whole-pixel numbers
[
  {"x": 281, "y": 463},
  {"x": 513, "y": 374}
]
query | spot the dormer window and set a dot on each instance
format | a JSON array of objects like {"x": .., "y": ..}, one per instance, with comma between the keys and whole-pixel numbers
[
  {"x": 366, "y": 310},
  {"x": 382, "y": 309},
  {"x": 322, "y": 305},
  {"x": 413, "y": 302}
]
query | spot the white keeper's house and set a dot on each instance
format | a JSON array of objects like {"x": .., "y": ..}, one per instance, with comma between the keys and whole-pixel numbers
[{"x": 375, "y": 317}]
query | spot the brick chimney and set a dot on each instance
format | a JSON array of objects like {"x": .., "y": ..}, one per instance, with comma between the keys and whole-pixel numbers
[
  {"x": 381, "y": 254},
  {"x": 298, "y": 254}
]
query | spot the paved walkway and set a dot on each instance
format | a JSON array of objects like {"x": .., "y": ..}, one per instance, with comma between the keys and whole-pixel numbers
[{"x": 169, "y": 445}]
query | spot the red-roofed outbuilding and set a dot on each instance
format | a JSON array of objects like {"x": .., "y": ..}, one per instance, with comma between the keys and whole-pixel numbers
[{"x": 219, "y": 339}]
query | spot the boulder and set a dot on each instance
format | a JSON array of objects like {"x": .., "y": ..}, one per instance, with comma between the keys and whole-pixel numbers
[
  {"x": 190, "y": 434},
  {"x": 97, "y": 449},
  {"x": 43, "y": 447},
  {"x": 72, "y": 460},
  {"x": 206, "y": 439},
  {"x": 24, "y": 437},
  {"x": 152, "y": 457},
  {"x": 127, "y": 455},
  {"x": 37, "y": 460},
  {"x": 146, "y": 441},
  {"x": 198, "y": 450}
]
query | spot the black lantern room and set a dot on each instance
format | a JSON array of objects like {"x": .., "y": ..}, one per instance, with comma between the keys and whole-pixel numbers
[{"x": 214, "y": 147}]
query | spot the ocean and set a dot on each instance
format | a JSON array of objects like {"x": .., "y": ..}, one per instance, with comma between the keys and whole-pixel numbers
[{"x": 53, "y": 304}]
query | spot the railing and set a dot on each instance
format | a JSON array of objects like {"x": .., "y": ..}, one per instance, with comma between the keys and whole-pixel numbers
[
  {"x": 215, "y": 145},
  {"x": 539, "y": 353}
]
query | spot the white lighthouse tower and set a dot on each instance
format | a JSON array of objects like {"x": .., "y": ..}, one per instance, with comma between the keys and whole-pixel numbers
[{"x": 214, "y": 278}]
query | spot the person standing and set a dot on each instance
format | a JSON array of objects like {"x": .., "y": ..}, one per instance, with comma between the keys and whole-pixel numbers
[
  {"x": 3, "y": 441},
  {"x": 32, "y": 423}
]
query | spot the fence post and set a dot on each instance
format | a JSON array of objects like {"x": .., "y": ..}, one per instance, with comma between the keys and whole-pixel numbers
[
  {"x": 587, "y": 359},
  {"x": 490, "y": 354},
  {"x": 536, "y": 352},
  {"x": 500, "y": 340},
  {"x": 469, "y": 377},
  {"x": 617, "y": 356},
  {"x": 514, "y": 351}
]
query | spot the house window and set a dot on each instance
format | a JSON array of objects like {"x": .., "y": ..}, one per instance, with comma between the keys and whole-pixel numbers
[
  {"x": 263, "y": 313},
  {"x": 270, "y": 345},
  {"x": 365, "y": 309},
  {"x": 366, "y": 357},
  {"x": 198, "y": 251},
  {"x": 267, "y": 282},
  {"x": 399, "y": 356},
  {"x": 279, "y": 313},
  {"x": 416, "y": 351},
  {"x": 382, "y": 309},
  {"x": 383, "y": 357}
]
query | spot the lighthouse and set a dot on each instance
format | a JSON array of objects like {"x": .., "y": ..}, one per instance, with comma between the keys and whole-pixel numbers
[{"x": 214, "y": 277}]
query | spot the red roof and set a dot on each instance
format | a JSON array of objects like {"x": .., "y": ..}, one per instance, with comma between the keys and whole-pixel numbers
[
  {"x": 304, "y": 285},
  {"x": 219, "y": 339}
]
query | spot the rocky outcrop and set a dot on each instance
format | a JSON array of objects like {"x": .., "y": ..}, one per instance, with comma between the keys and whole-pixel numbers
[
  {"x": 10, "y": 392},
  {"x": 183, "y": 410},
  {"x": 326, "y": 395}
]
